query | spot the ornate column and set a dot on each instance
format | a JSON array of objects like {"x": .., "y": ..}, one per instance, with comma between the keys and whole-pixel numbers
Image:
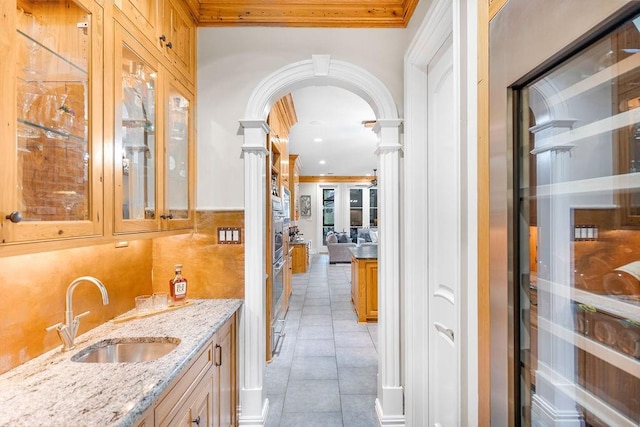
[
  {"x": 553, "y": 403},
  {"x": 390, "y": 400},
  {"x": 254, "y": 406}
]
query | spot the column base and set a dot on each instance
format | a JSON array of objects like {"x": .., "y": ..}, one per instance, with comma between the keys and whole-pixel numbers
[
  {"x": 390, "y": 407},
  {"x": 544, "y": 415},
  {"x": 259, "y": 417}
]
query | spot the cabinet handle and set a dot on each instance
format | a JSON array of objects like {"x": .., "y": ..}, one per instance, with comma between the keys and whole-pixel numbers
[
  {"x": 163, "y": 38},
  {"x": 218, "y": 355},
  {"x": 165, "y": 216},
  {"x": 196, "y": 421},
  {"x": 170, "y": 45},
  {"x": 14, "y": 217}
]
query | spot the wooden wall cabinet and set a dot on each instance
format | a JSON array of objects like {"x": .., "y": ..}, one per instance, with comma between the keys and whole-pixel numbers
[
  {"x": 206, "y": 394},
  {"x": 364, "y": 288},
  {"x": 177, "y": 39},
  {"x": 51, "y": 120},
  {"x": 154, "y": 142},
  {"x": 167, "y": 25},
  {"x": 68, "y": 165}
]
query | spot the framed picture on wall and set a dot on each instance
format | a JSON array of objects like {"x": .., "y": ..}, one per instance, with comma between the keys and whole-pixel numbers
[{"x": 305, "y": 205}]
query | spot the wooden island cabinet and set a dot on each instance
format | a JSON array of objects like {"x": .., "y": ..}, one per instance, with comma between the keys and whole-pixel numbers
[
  {"x": 364, "y": 282},
  {"x": 300, "y": 257}
]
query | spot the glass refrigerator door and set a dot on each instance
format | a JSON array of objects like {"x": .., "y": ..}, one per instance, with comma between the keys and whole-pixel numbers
[{"x": 578, "y": 189}]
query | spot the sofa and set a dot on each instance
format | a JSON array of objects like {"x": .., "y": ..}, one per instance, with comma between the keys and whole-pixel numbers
[
  {"x": 367, "y": 236},
  {"x": 338, "y": 245}
]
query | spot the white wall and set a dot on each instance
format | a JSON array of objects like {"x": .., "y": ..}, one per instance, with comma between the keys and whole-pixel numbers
[
  {"x": 233, "y": 61},
  {"x": 309, "y": 225}
]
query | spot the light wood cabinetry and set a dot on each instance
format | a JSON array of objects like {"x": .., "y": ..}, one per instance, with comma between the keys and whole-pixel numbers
[
  {"x": 51, "y": 120},
  {"x": 300, "y": 257},
  {"x": 177, "y": 38},
  {"x": 167, "y": 26},
  {"x": 143, "y": 14},
  {"x": 153, "y": 138},
  {"x": 206, "y": 395},
  {"x": 294, "y": 182},
  {"x": 77, "y": 160},
  {"x": 364, "y": 288}
]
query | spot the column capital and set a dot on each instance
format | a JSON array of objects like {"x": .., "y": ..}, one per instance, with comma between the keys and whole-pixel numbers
[
  {"x": 388, "y": 148},
  {"x": 386, "y": 123},
  {"x": 256, "y": 149},
  {"x": 254, "y": 124}
]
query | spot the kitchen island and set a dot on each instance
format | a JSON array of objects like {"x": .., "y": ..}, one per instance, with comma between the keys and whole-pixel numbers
[
  {"x": 53, "y": 390},
  {"x": 364, "y": 282}
]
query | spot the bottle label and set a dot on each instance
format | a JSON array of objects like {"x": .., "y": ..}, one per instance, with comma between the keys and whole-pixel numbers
[
  {"x": 633, "y": 268},
  {"x": 180, "y": 289}
]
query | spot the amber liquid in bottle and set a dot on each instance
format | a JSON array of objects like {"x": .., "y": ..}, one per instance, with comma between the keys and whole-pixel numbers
[{"x": 178, "y": 285}]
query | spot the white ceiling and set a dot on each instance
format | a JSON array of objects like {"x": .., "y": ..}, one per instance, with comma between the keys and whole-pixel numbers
[{"x": 335, "y": 115}]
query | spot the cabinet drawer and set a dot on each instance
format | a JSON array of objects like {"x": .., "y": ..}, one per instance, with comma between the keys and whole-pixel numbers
[{"x": 175, "y": 399}]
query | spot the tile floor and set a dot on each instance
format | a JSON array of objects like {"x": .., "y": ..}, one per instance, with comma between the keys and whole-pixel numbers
[{"x": 325, "y": 373}]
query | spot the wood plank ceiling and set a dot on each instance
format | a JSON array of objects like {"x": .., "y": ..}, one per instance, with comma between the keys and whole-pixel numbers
[{"x": 304, "y": 13}]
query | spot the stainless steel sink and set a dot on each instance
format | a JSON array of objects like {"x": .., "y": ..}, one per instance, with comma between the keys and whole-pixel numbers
[{"x": 126, "y": 350}]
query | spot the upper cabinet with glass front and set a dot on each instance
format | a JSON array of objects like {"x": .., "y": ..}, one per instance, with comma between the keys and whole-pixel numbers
[
  {"x": 153, "y": 144},
  {"x": 50, "y": 135}
]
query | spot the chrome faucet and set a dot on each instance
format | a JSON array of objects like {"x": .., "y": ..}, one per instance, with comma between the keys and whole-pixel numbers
[{"x": 67, "y": 331}]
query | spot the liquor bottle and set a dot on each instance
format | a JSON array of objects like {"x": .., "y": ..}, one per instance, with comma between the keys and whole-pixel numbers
[{"x": 178, "y": 285}]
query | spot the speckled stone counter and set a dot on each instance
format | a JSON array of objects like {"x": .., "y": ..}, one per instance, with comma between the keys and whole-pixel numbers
[
  {"x": 365, "y": 252},
  {"x": 52, "y": 390}
]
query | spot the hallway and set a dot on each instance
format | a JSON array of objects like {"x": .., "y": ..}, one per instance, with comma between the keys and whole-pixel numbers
[{"x": 325, "y": 373}]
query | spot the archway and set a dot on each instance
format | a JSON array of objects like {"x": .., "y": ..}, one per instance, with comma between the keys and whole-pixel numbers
[{"x": 321, "y": 70}]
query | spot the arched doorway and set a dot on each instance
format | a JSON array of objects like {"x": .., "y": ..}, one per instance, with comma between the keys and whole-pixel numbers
[{"x": 321, "y": 70}]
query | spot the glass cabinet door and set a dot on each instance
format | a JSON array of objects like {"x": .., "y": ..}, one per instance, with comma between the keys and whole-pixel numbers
[
  {"x": 57, "y": 189},
  {"x": 135, "y": 155},
  {"x": 578, "y": 269},
  {"x": 177, "y": 163}
]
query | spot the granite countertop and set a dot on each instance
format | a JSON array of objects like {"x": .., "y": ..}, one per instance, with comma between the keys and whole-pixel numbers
[
  {"x": 365, "y": 252},
  {"x": 52, "y": 390}
]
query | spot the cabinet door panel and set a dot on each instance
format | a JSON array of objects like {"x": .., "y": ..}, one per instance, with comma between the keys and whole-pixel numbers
[
  {"x": 136, "y": 136},
  {"x": 52, "y": 181},
  {"x": 179, "y": 31},
  {"x": 179, "y": 176},
  {"x": 143, "y": 14}
]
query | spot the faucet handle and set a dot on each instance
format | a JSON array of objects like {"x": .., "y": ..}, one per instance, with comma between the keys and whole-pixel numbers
[
  {"x": 57, "y": 326},
  {"x": 81, "y": 315}
]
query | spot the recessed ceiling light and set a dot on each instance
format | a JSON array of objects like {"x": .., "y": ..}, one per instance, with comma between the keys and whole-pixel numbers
[
  {"x": 322, "y": 162},
  {"x": 321, "y": 174},
  {"x": 367, "y": 174},
  {"x": 317, "y": 139}
]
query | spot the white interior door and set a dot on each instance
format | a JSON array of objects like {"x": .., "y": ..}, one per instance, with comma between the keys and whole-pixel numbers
[{"x": 444, "y": 242}]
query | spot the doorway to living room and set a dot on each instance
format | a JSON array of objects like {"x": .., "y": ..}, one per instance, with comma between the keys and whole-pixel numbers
[{"x": 321, "y": 70}]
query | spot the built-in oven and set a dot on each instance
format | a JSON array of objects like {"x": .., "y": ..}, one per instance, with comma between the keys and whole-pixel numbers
[
  {"x": 278, "y": 228},
  {"x": 277, "y": 312},
  {"x": 277, "y": 277}
]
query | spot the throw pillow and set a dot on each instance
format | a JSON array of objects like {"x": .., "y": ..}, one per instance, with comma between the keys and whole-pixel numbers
[
  {"x": 373, "y": 234},
  {"x": 342, "y": 238},
  {"x": 332, "y": 238}
]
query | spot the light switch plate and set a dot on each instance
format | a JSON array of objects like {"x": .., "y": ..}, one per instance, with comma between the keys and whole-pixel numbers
[{"x": 230, "y": 235}]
